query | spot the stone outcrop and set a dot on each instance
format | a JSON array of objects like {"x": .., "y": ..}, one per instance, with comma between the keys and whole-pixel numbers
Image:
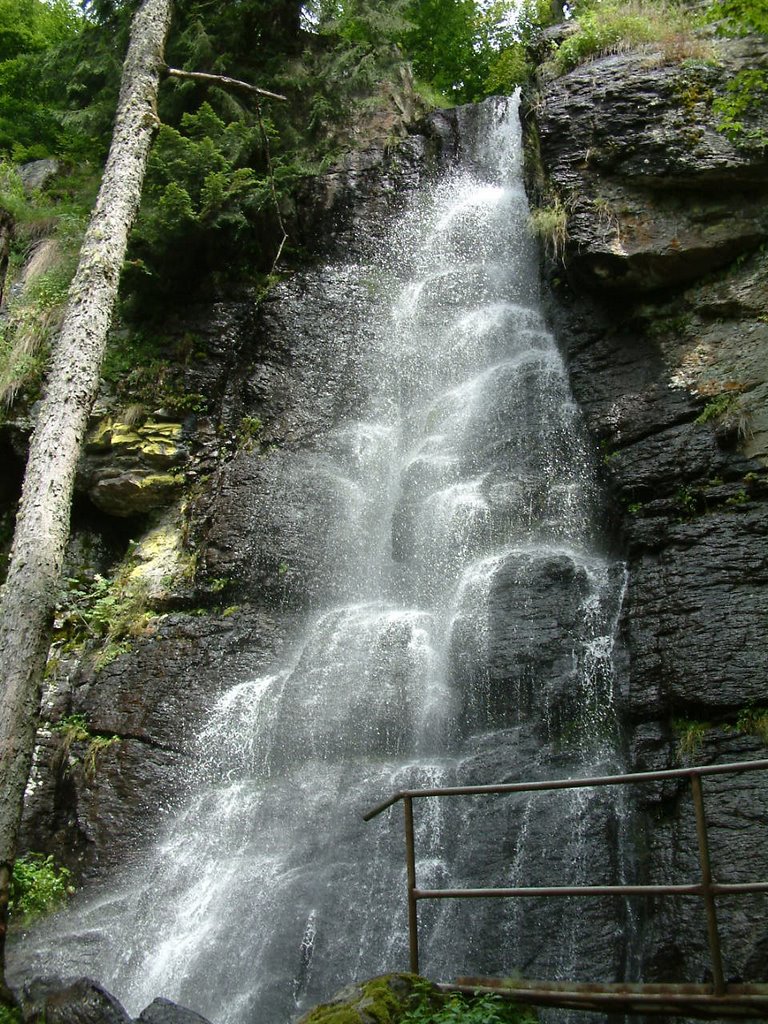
[
  {"x": 659, "y": 301},
  {"x": 83, "y": 1001},
  {"x": 383, "y": 1000},
  {"x": 656, "y": 195},
  {"x": 128, "y": 471}
]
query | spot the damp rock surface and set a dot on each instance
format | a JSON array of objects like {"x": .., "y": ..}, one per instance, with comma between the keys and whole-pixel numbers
[
  {"x": 657, "y": 195},
  {"x": 84, "y": 1001},
  {"x": 657, "y": 305}
]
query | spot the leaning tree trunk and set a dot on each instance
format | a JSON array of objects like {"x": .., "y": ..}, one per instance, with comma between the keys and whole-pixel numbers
[{"x": 42, "y": 525}]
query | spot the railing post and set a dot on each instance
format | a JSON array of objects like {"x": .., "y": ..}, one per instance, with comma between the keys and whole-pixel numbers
[
  {"x": 706, "y": 885},
  {"x": 410, "y": 860}
]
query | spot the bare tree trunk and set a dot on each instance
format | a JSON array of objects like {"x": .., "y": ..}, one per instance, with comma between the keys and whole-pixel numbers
[{"x": 42, "y": 525}]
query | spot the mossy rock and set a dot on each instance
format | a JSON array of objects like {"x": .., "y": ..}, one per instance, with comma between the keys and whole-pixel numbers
[
  {"x": 153, "y": 443},
  {"x": 382, "y": 1000},
  {"x": 135, "y": 492}
]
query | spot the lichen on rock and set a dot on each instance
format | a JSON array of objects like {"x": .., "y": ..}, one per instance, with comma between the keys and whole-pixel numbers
[{"x": 129, "y": 471}]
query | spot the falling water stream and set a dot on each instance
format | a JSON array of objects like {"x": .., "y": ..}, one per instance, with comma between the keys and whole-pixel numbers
[{"x": 465, "y": 636}]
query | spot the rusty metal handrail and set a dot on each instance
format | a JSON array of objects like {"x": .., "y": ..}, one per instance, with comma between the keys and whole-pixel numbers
[{"x": 708, "y": 889}]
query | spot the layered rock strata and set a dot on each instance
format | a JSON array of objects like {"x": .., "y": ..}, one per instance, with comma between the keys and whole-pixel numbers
[
  {"x": 659, "y": 296},
  {"x": 167, "y": 538}
]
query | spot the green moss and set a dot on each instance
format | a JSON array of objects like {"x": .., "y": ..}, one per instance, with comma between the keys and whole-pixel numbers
[
  {"x": 342, "y": 1014},
  {"x": 161, "y": 481},
  {"x": 154, "y": 442},
  {"x": 382, "y": 1000}
]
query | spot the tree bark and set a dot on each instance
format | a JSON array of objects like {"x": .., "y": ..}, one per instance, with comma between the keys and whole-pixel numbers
[{"x": 42, "y": 525}]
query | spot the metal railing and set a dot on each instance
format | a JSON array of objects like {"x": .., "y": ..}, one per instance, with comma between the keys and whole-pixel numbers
[{"x": 707, "y": 889}]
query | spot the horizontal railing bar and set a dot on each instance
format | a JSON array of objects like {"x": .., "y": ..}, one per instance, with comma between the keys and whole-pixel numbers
[
  {"x": 591, "y": 890},
  {"x": 379, "y": 808},
  {"x": 579, "y": 783},
  {"x": 661, "y": 997},
  {"x": 678, "y": 988},
  {"x": 741, "y": 1006}
]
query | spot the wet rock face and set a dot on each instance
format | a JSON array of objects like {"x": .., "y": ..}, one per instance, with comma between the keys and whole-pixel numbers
[
  {"x": 82, "y": 1001},
  {"x": 225, "y": 576},
  {"x": 668, "y": 358},
  {"x": 656, "y": 195},
  {"x": 95, "y": 800}
]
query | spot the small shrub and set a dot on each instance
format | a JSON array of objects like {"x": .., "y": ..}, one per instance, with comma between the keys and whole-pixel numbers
[
  {"x": 458, "y": 1008},
  {"x": 717, "y": 407},
  {"x": 740, "y": 110},
  {"x": 95, "y": 748},
  {"x": 38, "y": 886},
  {"x": 248, "y": 432},
  {"x": 726, "y": 410},
  {"x": 687, "y": 502},
  {"x": 107, "y": 611},
  {"x": 72, "y": 729},
  {"x": 753, "y": 722}
]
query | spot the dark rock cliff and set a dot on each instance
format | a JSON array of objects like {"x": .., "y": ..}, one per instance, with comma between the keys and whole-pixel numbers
[
  {"x": 659, "y": 299},
  {"x": 660, "y": 304},
  {"x": 167, "y": 535}
]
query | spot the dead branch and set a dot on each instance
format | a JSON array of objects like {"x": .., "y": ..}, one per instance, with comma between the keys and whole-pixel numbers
[{"x": 223, "y": 80}]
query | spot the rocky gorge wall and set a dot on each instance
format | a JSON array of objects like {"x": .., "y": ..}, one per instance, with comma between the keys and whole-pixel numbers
[
  {"x": 659, "y": 301},
  {"x": 174, "y": 587},
  {"x": 659, "y": 295}
]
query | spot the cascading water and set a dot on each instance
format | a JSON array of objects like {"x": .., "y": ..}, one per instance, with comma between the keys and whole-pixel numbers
[{"x": 461, "y": 633}]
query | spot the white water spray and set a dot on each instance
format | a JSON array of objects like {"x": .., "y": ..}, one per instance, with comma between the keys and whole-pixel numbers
[{"x": 466, "y": 637}]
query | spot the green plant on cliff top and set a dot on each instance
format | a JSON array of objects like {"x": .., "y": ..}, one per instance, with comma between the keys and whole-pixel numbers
[
  {"x": 739, "y": 17},
  {"x": 38, "y": 886},
  {"x": 740, "y": 109},
  {"x": 619, "y": 25}
]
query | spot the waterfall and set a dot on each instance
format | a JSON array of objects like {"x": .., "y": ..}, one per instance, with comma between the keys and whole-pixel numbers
[{"x": 460, "y": 631}]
